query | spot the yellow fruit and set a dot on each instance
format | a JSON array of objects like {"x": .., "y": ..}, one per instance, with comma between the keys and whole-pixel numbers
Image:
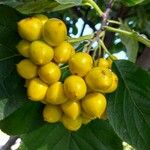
[
  {"x": 71, "y": 124},
  {"x": 55, "y": 94},
  {"x": 27, "y": 69},
  {"x": 102, "y": 62},
  {"x": 80, "y": 64},
  {"x": 30, "y": 28},
  {"x": 111, "y": 61},
  {"x": 63, "y": 52},
  {"x": 49, "y": 73},
  {"x": 71, "y": 109},
  {"x": 86, "y": 115},
  {"x": 23, "y": 48},
  {"x": 36, "y": 90},
  {"x": 114, "y": 84},
  {"x": 94, "y": 104},
  {"x": 99, "y": 79},
  {"x": 54, "y": 31},
  {"x": 85, "y": 120},
  {"x": 74, "y": 87},
  {"x": 42, "y": 18},
  {"x": 52, "y": 113},
  {"x": 40, "y": 53}
]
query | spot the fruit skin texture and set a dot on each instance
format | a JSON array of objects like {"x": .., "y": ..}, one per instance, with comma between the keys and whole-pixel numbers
[
  {"x": 27, "y": 69},
  {"x": 71, "y": 109},
  {"x": 63, "y": 52},
  {"x": 99, "y": 79},
  {"x": 94, "y": 104},
  {"x": 114, "y": 84},
  {"x": 80, "y": 64},
  {"x": 30, "y": 28},
  {"x": 52, "y": 113},
  {"x": 71, "y": 124},
  {"x": 54, "y": 31},
  {"x": 42, "y": 18},
  {"x": 74, "y": 87},
  {"x": 49, "y": 73},
  {"x": 102, "y": 62},
  {"x": 55, "y": 94},
  {"x": 36, "y": 90},
  {"x": 40, "y": 53},
  {"x": 23, "y": 48}
]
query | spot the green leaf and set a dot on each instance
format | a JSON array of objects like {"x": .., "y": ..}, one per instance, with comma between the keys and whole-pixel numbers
[
  {"x": 26, "y": 118},
  {"x": 12, "y": 93},
  {"x": 39, "y": 6},
  {"x": 8, "y": 26},
  {"x": 132, "y": 2},
  {"x": 94, "y": 136},
  {"x": 65, "y": 72},
  {"x": 76, "y": 2},
  {"x": 128, "y": 107},
  {"x": 131, "y": 44}
]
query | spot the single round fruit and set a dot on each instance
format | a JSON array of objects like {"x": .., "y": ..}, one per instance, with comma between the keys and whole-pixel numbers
[
  {"x": 40, "y": 53},
  {"x": 80, "y": 64},
  {"x": 55, "y": 94},
  {"x": 49, "y": 73},
  {"x": 23, "y": 48},
  {"x": 71, "y": 109},
  {"x": 30, "y": 28},
  {"x": 99, "y": 79},
  {"x": 27, "y": 69},
  {"x": 74, "y": 87},
  {"x": 36, "y": 89},
  {"x": 42, "y": 18},
  {"x": 52, "y": 113},
  {"x": 71, "y": 124},
  {"x": 54, "y": 31},
  {"x": 102, "y": 62},
  {"x": 114, "y": 84},
  {"x": 63, "y": 52},
  {"x": 94, "y": 104}
]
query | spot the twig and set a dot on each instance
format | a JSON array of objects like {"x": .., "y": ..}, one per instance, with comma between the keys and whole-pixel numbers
[{"x": 105, "y": 17}]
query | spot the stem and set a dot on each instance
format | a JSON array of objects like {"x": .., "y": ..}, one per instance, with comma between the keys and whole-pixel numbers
[
  {"x": 95, "y": 6},
  {"x": 118, "y": 30},
  {"x": 130, "y": 34},
  {"x": 79, "y": 39},
  {"x": 83, "y": 38},
  {"x": 114, "y": 22},
  {"x": 105, "y": 49}
]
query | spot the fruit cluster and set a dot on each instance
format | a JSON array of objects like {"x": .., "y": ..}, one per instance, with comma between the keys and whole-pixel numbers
[{"x": 80, "y": 98}]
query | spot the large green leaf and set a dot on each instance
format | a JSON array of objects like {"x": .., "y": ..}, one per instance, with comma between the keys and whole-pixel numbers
[
  {"x": 24, "y": 119},
  {"x": 128, "y": 106},
  {"x": 132, "y": 2},
  {"x": 39, "y": 6},
  {"x": 94, "y": 136},
  {"x": 8, "y": 26},
  {"x": 131, "y": 45},
  {"x": 12, "y": 93}
]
